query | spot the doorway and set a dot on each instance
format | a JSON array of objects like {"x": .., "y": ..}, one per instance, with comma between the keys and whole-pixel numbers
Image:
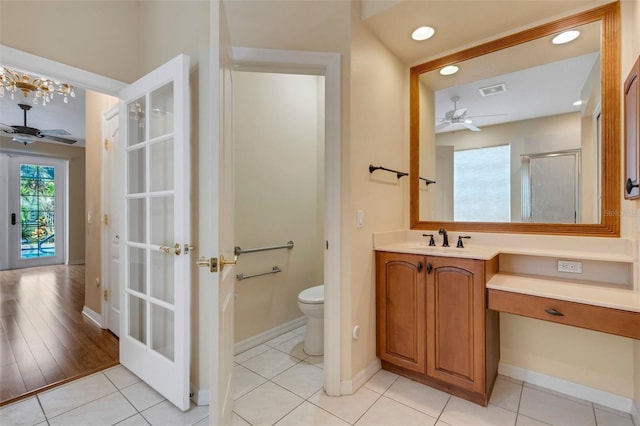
[{"x": 36, "y": 197}]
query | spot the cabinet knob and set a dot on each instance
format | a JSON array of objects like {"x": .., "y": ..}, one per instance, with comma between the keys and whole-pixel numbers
[
  {"x": 429, "y": 268},
  {"x": 419, "y": 266},
  {"x": 554, "y": 312}
]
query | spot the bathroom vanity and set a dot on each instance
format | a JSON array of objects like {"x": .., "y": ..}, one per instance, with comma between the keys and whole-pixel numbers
[
  {"x": 438, "y": 309},
  {"x": 433, "y": 325}
]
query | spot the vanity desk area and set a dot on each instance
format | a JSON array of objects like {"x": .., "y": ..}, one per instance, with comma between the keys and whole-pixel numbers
[{"x": 438, "y": 307}]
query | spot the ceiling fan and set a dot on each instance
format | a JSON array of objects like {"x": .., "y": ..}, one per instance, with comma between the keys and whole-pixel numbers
[
  {"x": 26, "y": 134},
  {"x": 459, "y": 116}
]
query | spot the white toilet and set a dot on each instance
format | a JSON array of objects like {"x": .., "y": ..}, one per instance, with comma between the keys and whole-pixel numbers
[{"x": 311, "y": 303}]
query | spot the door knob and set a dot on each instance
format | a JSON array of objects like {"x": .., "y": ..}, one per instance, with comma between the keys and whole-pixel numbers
[
  {"x": 212, "y": 263},
  {"x": 176, "y": 249}
]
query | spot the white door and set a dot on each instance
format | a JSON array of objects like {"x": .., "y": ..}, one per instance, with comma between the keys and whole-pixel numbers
[
  {"x": 36, "y": 211},
  {"x": 110, "y": 236},
  {"x": 216, "y": 222},
  {"x": 154, "y": 230}
]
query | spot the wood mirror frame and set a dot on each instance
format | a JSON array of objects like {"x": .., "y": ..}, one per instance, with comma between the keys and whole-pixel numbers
[{"x": 609, "y": 16}]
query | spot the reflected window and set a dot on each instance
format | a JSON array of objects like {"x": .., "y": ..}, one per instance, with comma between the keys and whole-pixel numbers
[{"x": 482, "y": 186}]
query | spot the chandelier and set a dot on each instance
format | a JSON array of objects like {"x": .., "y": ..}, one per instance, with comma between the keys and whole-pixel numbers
[{"x": 43, "y": 88}]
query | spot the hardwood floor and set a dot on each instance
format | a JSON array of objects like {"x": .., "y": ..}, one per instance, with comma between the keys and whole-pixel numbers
[{"x": 44, "y": 337}]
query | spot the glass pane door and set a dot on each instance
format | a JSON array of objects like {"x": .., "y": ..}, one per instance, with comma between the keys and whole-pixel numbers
[{"x": 36, "y": 205}]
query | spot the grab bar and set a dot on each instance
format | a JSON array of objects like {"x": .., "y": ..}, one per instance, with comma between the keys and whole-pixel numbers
[
  {"x": 238, "y": 250},
  {"x": 242, "y": 276}
]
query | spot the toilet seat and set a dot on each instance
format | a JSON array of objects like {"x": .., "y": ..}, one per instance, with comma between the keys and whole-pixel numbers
[{"x": 312, "y": 295}]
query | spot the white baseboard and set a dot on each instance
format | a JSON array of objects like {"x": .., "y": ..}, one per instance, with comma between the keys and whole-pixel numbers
[
  {"x": 93, "y": 316},
  {"x": 265, "y": 336},
  {"x": 348, "y": 387},
  {"x": 199, "y": 396},
  {"x": 576, "y": 390},
  {"x": 635, "y": 413},
  {"x": 76, "y": 262}
]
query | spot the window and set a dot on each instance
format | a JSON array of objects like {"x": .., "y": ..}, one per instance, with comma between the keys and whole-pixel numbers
[{"x": 482, "y": 185}]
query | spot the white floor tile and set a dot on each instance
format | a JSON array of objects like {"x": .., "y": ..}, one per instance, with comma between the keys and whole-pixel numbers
[
  {"x": 310, "y": 415},
  {"x": 121, "y": 377},
  {"x": 166, "y": 414},
  {"x": 270, "y": 363},
  {"x": 293, "y": 347},
  {"x": 203, "y": 422},
  {"x": 348, "y": 407},
  {"x": 73, "y": 395},
  {"x": 303, "y": 379},
  {"x": 506, "y": 394},
  {"x": 381, "y": 381},
  {"x": 142, "y": 396},
  {"x": 386, "y": 412},
  {"x": 25, "y": 412},
  {"x": 460, "y": 412},
  {"x": 244, "y": 381},
  {"x": 266, "y": 404},
  {"x": 554, "y": 409},
  {"x": 528, "y": 421},
  {"x": 136, "y": 420},
  {"x": 250, "y": 353},
  {"x": 607, "y": 418},
  {"x": 416, "y": 395},
  {"x": 301, "y": 330},
  {"x": 236, "y": 420},
  {"x": 107, "y": 410},
  {"x": 316, "y": 360},
  {"x": 562, "y": 395}
]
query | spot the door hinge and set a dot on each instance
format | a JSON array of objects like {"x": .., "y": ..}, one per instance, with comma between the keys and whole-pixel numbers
[
  {"x": 106, "y": 295},
  {"x": 106, "y": 144},
  {"x": 106, "y": 219}
]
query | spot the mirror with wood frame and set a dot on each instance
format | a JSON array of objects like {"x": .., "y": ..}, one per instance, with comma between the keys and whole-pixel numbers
[{"x": 491, "y": 161}]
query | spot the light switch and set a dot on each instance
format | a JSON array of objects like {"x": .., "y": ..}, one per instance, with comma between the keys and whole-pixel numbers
[{"x": 359, "y": 218}]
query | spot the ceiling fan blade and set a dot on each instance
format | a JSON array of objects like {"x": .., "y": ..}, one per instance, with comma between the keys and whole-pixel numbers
[
  {"x": 487, "y": 115},
  {"x": 55, "y": 132},
  {"x": 6, "y": 128},
  {"x": 57, "y": 139},
  {"x": 442, "y": 126},
  {"x": 459, "y": 113},
  {"x": 470, "y": 127}
]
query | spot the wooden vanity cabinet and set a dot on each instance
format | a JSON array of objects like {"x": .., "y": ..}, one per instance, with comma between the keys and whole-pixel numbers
[
  {"x": 433, "y": 322},
  {"x": 400, "y": 313}
]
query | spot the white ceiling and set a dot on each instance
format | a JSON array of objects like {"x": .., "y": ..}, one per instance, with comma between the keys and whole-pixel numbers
[{"x": 458, "y": 24}]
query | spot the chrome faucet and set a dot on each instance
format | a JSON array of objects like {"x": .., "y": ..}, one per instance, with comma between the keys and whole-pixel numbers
[{"x": 445, "y": 237}]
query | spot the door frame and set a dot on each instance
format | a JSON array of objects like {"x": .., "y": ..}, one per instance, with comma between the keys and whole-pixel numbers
[
  {"x": 105, "y": 233},
  {"x": 327, "y": 65}
]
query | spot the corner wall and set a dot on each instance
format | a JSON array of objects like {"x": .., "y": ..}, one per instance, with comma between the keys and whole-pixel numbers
[{"x": 379, "y": 106}]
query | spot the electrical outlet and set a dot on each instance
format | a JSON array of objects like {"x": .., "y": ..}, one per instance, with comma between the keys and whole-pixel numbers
[{"x": 569, "y": 266}]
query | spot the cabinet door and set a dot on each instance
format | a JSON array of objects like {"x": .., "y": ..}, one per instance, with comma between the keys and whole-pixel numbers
[
  {"x": 455, "y": 322},
  {"x": 400, "y": 310}
]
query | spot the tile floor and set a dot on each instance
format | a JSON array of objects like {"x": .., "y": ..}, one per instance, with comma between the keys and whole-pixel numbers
[{"x": 276, "y": 383}]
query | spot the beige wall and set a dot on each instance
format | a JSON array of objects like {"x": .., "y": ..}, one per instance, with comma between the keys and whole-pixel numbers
[
  {"x": 97, "y": 36},
  {"x": 379, "y": 105},
  {"x": 75, "y": 155},
  {"x": 96, "y": 104},
  {"x": 278, "y": 182}
]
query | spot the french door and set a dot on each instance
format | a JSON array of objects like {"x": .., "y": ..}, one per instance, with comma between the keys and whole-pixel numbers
[
  {"x": 36, "y": 211},
  {"x": 154, "y": 229}
]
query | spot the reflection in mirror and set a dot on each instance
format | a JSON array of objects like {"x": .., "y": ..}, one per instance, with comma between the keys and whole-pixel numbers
[
  {"x": 524, "y": 137},
  {"x": 532, "y": 99}
]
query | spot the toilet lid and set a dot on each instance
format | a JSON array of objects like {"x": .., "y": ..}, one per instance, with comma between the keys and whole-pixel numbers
[{"x": 312, "y": 295}]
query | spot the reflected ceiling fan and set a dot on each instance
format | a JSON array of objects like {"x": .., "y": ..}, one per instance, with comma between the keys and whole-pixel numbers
[
  {"x": 459, "y": 116},
  {"x": 26, "y": 134}
]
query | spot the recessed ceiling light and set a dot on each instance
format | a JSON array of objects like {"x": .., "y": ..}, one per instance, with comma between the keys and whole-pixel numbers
[
  {"x": 578, "y": 102},
  {"x": 449, "y": 69},
  {"x": 565, "y": 37},
  {"x": 423, "y": 33}
]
